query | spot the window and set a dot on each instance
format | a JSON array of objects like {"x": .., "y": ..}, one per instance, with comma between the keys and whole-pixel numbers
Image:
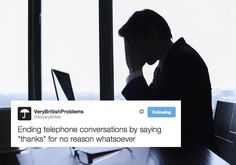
[
  {"x": 13, "y": 51},
  {"x": 70, "y": 43}
]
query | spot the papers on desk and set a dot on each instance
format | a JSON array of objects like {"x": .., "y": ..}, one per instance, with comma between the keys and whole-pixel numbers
[{"x": 62, "y": 156}]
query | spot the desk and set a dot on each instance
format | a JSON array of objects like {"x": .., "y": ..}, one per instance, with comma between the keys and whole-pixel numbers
[
  {"x": 196, "y": 155},
  {"x": 157, "y": 156},
  {"x": 62, "y": 156}
]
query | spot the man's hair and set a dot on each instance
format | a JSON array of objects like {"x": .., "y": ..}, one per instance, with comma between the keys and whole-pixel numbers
[{"x": 142, "y": 21}]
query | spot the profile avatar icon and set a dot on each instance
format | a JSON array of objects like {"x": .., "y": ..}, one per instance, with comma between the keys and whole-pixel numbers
[{"x": 24, "y": 113}]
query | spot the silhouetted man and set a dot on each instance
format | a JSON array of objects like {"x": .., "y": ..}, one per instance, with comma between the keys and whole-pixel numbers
[{"x": 181, "y": 74}]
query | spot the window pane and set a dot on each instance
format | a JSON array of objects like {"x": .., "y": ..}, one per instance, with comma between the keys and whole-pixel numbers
[
  {"x": 208, "y": 26},
  {"x": 13, "y": 51},
  {"x": 70, "y": 44}
]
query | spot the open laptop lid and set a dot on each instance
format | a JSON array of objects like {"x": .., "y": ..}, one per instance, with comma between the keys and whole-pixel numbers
[{"x": 62, "y": 84}]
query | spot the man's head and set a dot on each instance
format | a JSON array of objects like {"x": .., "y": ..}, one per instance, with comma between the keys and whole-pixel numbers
[{"x": 150, "y": 31}]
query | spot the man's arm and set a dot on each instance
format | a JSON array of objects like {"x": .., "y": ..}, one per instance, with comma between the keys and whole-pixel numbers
[
  {"x": 137, "y": 89},
  {"x": 170, "y": 85}
]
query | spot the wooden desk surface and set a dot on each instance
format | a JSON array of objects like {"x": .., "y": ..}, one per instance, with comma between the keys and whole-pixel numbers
[
  {"x": 157, "y": 156},
  {"x": 62, "y": 156},
  {"x": 197, "y": 155}
]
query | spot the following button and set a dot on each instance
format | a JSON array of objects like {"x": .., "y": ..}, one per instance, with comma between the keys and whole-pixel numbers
[{"x": 161, "y": 111}]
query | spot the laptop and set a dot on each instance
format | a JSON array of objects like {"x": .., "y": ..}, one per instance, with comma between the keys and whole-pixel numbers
[
  {"x": 62, "y": 85},
  {"x": 64, "y": 91}
]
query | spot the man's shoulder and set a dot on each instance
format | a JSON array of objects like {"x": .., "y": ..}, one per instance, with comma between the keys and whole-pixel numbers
[
  {"x": 183, "y": 53},
  {"x": 184, "y": 50}
]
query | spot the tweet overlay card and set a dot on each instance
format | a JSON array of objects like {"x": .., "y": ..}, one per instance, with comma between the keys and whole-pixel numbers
[{"x": 96, "y": 123}]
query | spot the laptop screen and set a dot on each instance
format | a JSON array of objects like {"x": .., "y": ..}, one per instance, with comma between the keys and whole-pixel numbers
[{"x": 62, "y": 84}]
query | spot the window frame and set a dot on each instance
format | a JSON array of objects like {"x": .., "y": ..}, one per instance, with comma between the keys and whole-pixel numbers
[{"x": 105, "y": 50}]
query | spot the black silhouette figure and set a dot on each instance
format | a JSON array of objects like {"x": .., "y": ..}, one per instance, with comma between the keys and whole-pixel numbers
[{"x": 181, "y": 74}]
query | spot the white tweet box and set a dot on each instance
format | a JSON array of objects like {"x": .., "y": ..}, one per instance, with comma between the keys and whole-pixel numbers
[{"x": 96, "y": 123}]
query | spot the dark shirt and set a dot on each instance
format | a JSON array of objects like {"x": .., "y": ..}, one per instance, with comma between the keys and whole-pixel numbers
[{"x": 183, "y": 76}]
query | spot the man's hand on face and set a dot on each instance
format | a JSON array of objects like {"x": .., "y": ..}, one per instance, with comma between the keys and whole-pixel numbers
[{"x": 135, "y": 57}]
